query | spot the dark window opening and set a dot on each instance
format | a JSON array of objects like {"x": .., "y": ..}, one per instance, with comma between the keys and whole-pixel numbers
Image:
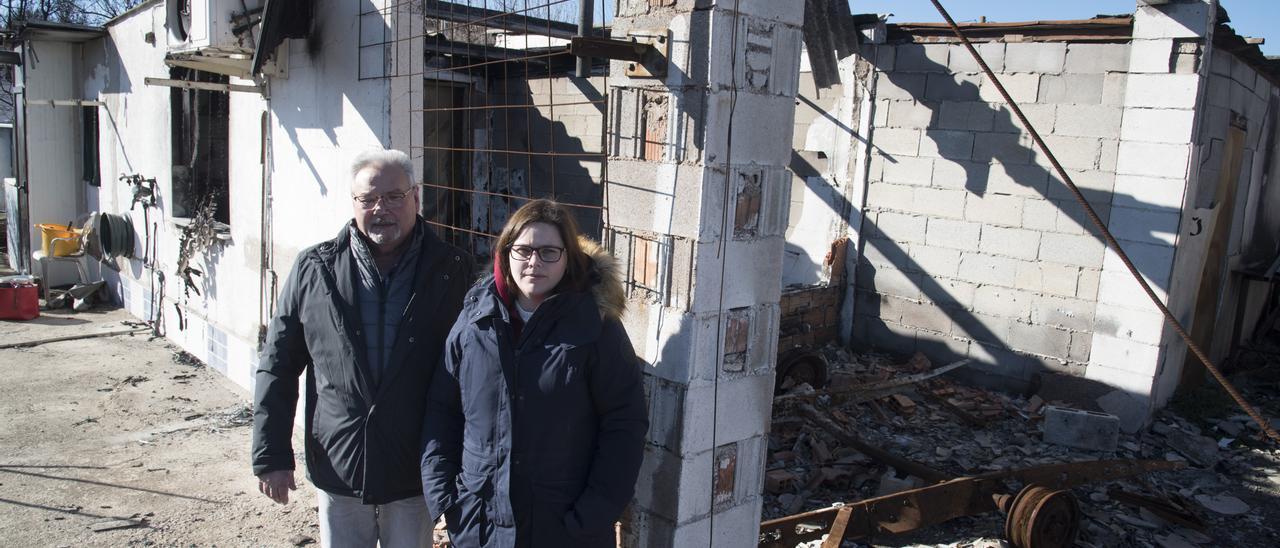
[
  {"x": 445, "y": 160},
  {"x": 201, "y": 146},
  {"x": 89, "y": 136}
]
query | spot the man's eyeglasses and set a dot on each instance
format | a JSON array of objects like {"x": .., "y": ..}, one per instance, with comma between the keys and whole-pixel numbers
[
  {"x": 548, "y": 254},
  {"x": 389, "y": 200}
]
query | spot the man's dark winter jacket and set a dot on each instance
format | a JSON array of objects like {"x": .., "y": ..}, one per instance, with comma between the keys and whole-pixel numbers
[
  {"x": 536, "y": 442},
  {"x": 362, "y": 438}
]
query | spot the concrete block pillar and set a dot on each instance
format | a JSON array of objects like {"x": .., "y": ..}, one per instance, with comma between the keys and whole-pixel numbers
[
  {"x": 698, "y": 199},
  {"x": 1164, "y": 86}
]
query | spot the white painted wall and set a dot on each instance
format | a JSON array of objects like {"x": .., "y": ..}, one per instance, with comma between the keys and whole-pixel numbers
[
  {"x": 821, "y": 199},
  {"x": 318, "y": 118}
]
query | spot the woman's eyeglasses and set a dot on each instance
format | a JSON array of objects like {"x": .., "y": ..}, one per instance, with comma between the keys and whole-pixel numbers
[
  {"x": 389, "y": 200},
  {"x": 548, "y": 254}
]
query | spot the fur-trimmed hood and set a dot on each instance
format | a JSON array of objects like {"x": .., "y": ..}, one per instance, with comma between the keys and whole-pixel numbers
[{"x": 607, "y": 289}]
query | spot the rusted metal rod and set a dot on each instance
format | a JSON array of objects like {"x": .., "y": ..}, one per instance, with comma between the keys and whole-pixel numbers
[
  {"x": 496, "y": 107},
  {"x": 906, "y": 511},
  {"x": 1106, "y": 234},
  {"x": 503, "y": 195},
  {"x": 520, "y": 152}
]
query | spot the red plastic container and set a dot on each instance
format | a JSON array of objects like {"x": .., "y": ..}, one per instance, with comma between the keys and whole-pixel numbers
[{"x": 19, "y": 302}]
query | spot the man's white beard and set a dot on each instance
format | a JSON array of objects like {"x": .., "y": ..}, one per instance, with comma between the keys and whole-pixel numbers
[{"x": 383, "y": 234}]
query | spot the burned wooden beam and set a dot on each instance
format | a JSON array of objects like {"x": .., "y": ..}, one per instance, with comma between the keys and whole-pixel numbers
[{"x": 880, "y": 455}]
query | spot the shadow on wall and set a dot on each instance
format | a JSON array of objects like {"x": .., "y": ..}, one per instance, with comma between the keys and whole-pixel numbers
[
  {"x": 332, "y": 82},
  {"x": 987, "y": 165}
]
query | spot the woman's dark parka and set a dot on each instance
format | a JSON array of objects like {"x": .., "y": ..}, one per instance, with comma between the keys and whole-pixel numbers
[
  {"x": 538, "y": 441},
  {"x": 362, "y": 438}
]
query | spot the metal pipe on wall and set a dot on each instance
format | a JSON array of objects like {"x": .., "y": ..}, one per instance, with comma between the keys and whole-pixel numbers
[{"x": 586, "y": 17}]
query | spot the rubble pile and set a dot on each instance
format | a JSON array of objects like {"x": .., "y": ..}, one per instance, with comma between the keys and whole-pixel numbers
[{"x": 873, "y": 411}]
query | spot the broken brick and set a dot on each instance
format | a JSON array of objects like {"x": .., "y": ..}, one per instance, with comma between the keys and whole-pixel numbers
[
  {"x": 903, "y": 404},
  {"x": 919, "y": 363},
  {"x": 777, "y": 481}
]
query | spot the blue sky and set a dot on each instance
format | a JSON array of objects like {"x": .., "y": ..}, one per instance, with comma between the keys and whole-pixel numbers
[{"x": 1259, "y": 18}]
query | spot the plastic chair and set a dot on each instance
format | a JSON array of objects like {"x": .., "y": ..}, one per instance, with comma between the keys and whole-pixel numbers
[{"x": 79, "y": 257}]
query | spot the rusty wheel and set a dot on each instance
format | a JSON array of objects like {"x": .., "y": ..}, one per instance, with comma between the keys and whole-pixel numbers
[
  {"x": 1042, "y": 518},
  {"x": 801, "y": 366}
]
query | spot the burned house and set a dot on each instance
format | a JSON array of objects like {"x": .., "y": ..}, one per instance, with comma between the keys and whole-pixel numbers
[{"x": 768, "y": 175}]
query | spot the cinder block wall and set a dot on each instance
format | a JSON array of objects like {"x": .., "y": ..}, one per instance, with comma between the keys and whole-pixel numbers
[
  {"x": 975, "y": 248},
  {"x": 1235, "y": 94}
]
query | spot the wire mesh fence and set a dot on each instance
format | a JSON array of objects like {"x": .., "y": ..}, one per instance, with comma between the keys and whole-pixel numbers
[{"x": 495, "y": 113}]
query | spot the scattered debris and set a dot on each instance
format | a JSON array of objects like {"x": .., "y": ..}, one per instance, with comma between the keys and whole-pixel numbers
[
  {"x": 234, "y": 417},
  {"x": 301, "y": 540},
  {"x": 959, "y": 431},
  {"x": 134, "y": 380},
  {"x": 182, "y": 357}
]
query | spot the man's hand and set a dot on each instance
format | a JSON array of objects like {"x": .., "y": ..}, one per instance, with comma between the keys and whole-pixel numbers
[{"x": 277, "y": 484}]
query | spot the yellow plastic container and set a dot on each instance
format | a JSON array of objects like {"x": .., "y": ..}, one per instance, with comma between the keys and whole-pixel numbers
[{"x": 62, "y": 247}]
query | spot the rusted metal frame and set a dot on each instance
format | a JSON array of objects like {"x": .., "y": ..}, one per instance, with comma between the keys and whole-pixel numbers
[
  {"x": 496, "y": 107},
  {"x": 461, "y": 229},
  {"x": 1068, "y": 475},
  {"x": 502, "y": 195},
  {"x": 910, "y": 510},
  {"x": 551, "y": 114},
  {"x": 500, "y": 151},
  {"x": 889, "y": 514},
  {"x": 1106, "y": 233},
  {"x": 880, "y": 455},
  {"x": 528, "y": 120},
  {"x": 618, "y": 50}
]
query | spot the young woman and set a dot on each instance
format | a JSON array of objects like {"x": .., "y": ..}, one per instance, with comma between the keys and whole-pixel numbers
[{"x": 535, "y": 423}]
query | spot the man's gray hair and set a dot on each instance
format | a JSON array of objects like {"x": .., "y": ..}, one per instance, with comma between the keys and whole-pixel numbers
[{"x": 383, "y": 157}]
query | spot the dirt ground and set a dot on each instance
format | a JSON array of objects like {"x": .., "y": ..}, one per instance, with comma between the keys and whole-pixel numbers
[{"x": 113, "y": 442}]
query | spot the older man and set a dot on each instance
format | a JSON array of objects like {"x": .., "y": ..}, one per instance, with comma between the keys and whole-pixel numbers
[{"x": 365, "y": 315}]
